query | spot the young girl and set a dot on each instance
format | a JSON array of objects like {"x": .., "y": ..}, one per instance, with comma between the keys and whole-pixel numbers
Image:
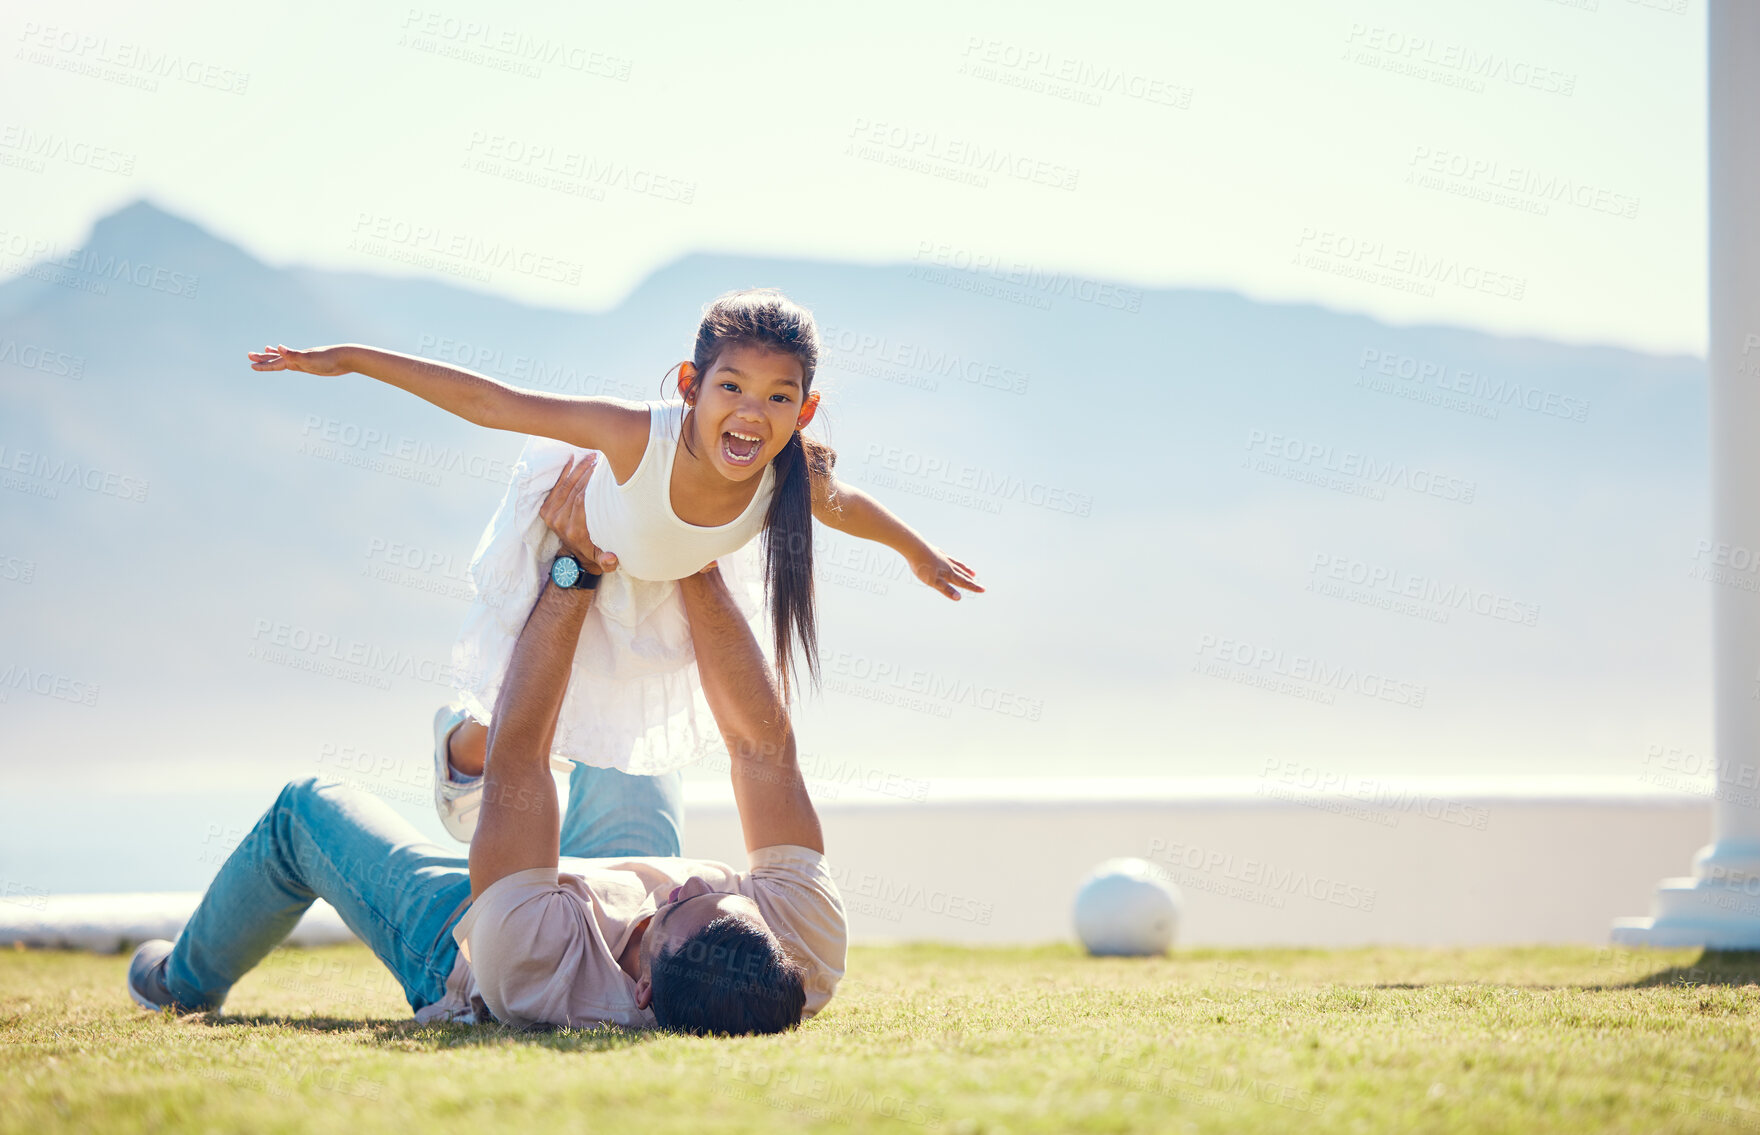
[{"x": 677, "y": 486}]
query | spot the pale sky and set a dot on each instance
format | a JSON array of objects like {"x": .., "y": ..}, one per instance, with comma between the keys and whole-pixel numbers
[
  {"x": 1525, "y": 167},
  {"x": 1530, "y": 167}
]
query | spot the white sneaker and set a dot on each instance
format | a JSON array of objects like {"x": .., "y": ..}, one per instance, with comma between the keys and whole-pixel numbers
[{"x": 458, "y": 801}]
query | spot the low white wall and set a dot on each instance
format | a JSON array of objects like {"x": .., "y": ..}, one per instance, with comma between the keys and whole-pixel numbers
[
  {"x": 1426, "y": 863},
  {"x": 1441, "y": 870},
  {"x": 106, "y": 924}
]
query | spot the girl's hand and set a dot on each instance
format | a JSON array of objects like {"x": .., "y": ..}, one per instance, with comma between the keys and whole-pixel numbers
[
  {"x": 564, "y": 515},
  {"x": 945, "y": 574},
  {"x": 319, "y": 360}
]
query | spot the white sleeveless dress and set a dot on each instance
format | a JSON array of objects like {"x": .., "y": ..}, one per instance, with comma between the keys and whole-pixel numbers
[{"x": 634, "y": 701}]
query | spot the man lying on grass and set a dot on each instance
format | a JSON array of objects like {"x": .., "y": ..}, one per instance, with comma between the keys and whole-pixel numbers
[{"x": 624, "y": 931}]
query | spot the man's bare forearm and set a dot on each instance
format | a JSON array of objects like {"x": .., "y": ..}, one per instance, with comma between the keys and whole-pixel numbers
[
  {"x": 774, "y": 807},
  {"x": 736, "y": 681},
  {"x": 520, "y": 824},
  {"x": 531, "y": 695}
]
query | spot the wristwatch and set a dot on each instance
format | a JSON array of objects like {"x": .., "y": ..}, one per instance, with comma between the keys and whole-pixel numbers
[{"x": 566, "y": 571}]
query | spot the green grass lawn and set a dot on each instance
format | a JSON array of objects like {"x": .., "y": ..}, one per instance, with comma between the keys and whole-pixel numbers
[{"x": 933, "y": 1038}]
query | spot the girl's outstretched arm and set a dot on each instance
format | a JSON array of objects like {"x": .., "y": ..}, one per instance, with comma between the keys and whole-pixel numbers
[
  {"x": 854, "y": 512},
  {"x": 606, "y": 424}
]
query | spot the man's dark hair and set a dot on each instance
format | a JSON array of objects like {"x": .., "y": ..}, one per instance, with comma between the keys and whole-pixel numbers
[{"x": 728, "y": 978}]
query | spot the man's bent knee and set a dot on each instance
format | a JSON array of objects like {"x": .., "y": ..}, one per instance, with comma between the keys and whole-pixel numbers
[{"x": 305, "y": 789}]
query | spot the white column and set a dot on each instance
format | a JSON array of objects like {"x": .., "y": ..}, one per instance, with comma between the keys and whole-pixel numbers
[{"x": 1719, "y": 905}]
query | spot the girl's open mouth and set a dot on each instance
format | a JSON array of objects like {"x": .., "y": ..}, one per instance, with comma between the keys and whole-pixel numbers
[{"x": 740, "y": 449}]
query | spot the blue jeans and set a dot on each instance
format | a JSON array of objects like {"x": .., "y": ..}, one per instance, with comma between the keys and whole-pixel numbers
[{"x": 399, "y": 893}]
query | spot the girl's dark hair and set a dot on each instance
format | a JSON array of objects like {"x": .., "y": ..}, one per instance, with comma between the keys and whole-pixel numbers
[{"x": 764, "y": 317}]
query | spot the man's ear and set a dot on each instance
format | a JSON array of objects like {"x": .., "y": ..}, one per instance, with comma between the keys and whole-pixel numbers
[
  {"x": 808, "y": 409},
  {"x": 644, "y": 991}
]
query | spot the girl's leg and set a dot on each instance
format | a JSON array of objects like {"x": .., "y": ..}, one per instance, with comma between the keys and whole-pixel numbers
[
  {"x": 321, "y": 839},
  {"x": 467, "y": 747},
  {"x": 608, "y": 814},
  {"x": 613, "y": 814}
]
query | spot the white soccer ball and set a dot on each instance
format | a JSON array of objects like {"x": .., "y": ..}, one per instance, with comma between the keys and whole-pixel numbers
[{"x": 1127, "y": 907}]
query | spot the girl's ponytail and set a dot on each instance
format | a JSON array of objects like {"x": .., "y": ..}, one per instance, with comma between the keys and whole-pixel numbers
[{"x": 788, "y": 556}]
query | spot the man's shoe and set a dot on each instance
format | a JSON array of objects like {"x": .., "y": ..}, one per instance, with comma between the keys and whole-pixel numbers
[
  {"x": 146, "y": 975},
  {"x": 457, "y": 803}
]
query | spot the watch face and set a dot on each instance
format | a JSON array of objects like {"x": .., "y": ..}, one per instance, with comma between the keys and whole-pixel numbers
[{"x": 565, "y": 572}]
